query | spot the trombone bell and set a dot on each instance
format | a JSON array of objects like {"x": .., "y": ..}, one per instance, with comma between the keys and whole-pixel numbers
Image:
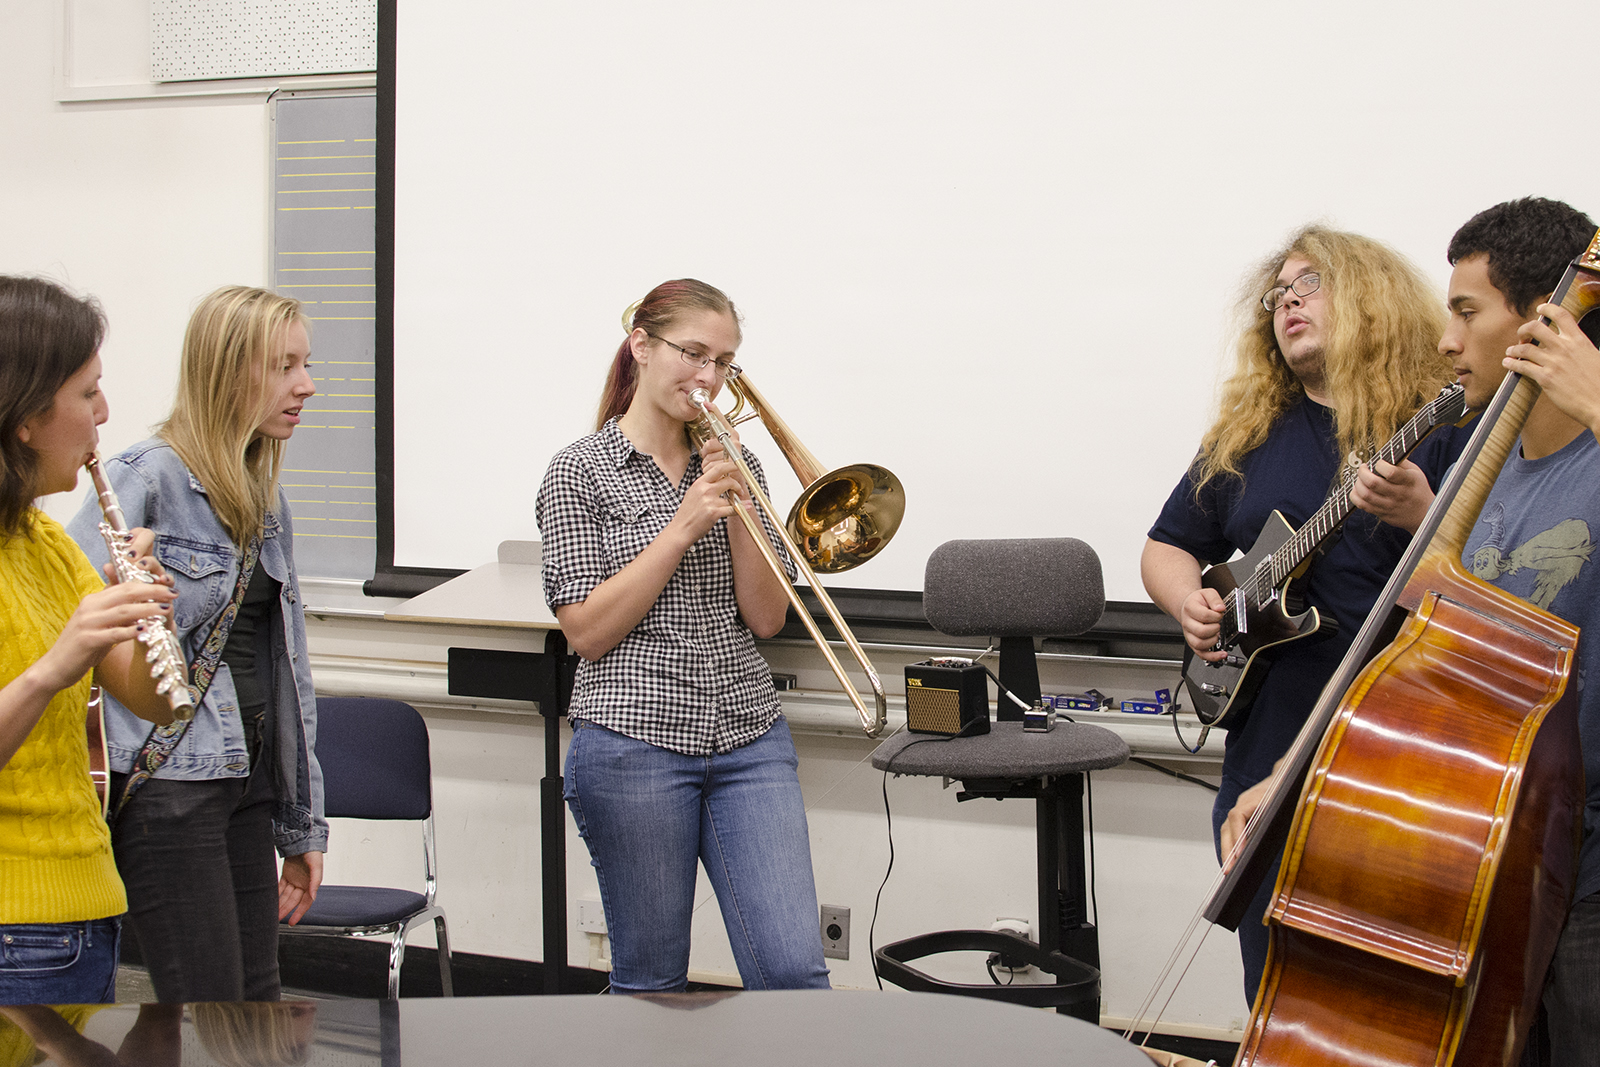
[
  {"x": 842, "y": 518},
  {"x": 845, "y": 517}
]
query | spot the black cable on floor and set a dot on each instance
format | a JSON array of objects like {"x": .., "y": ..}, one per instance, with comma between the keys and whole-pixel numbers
[
  {"x": 888, "y": 829},
  {"x": 1202, "y": 783},
  {"x": 1094, "y": 869}
]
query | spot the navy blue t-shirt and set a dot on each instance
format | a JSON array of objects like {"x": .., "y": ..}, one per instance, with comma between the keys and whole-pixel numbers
[{"x": 1291, "y": 472}]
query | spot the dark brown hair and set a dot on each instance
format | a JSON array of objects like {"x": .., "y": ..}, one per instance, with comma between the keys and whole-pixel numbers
[
  {"x": 46, "y": 336},
  {"x": 1529, "y": 243},
  {"x": 654, "y": 314}
]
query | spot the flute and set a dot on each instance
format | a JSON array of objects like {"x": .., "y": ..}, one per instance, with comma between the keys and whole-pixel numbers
[{"x": 167, "y": 667}]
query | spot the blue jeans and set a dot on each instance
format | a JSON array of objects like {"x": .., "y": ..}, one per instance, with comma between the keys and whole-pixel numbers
[
  {"x": 59, "y": 963},
  {"x": 647, "y": 814}
]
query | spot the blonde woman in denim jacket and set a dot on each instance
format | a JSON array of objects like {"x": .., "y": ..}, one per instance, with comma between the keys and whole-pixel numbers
[{"x": 195, "y": 840}]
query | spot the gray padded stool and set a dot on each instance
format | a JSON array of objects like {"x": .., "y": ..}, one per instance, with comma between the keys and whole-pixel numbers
[
  {"x": 1012, "y": 589},
  {"x": 1006, "y": 762}
]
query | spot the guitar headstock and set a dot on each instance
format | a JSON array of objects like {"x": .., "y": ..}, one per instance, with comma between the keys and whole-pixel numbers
[{"x": 1450, "y": 404}]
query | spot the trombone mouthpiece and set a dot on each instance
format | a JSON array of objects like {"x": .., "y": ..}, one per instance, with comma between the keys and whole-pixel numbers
[{"x": 701, "y": 397}]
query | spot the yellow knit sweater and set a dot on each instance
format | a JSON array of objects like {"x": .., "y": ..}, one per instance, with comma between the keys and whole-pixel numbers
[{"x": 55, "y": 850}]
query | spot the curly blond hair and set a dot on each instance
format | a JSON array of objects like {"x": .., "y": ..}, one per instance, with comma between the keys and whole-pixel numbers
[{"x": 1381, "y": 362}]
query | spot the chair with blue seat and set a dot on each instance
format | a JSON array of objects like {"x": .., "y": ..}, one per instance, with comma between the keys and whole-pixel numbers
[{"x": 375, "y": 765}]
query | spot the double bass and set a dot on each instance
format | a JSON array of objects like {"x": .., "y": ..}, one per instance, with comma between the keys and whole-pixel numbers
[{"x": 1430, "y": 811}]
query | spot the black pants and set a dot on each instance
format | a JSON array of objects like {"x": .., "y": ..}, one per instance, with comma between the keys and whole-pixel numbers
[{"x": 202, "y": 877}]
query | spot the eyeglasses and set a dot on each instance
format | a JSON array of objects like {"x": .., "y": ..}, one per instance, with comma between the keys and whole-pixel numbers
[
  {"x": 1304, "y": 285},
  {"x": 727, "y": 370}
]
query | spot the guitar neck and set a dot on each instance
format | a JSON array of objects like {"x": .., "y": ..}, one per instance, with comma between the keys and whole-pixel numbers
[{"x": 1317, "y": 529}]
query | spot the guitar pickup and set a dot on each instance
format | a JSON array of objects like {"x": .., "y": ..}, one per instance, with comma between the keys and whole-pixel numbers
[{"x": 1240, "y": 615}]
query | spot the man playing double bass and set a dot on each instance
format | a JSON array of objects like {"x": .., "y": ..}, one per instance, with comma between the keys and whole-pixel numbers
[
  {"x": 1339, "y": 350},
  {"x": 1535, "y": 536}
]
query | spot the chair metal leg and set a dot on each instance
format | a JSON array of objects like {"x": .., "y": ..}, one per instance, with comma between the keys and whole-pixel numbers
[
  {"x": 397, "y": 955},
  {"x": 442, "y": 936}
]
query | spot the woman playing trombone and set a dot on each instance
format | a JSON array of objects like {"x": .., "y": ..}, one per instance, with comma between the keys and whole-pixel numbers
[{"x": 679, "y": 750}]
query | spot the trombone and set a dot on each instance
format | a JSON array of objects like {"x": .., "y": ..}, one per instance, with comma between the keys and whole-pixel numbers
[{"x": 862, "y": 506}]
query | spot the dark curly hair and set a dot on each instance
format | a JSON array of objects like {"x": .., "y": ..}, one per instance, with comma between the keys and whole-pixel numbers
[
  {"x": 46, "y": 336},
  {"x": 1529, "y": 243}
]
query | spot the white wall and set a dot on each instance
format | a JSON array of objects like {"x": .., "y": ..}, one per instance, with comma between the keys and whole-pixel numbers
[
  {"x": 150, "y": 203},
  {"x": 146, "y": 205},
  {"x": 990, "y": 245}
]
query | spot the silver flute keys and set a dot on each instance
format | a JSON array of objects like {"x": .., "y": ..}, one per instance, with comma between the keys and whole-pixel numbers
[{"x": 167, "y": 667}]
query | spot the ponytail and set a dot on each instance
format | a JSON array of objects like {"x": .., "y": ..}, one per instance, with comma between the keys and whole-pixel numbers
[{"x": 654, "y": 314}]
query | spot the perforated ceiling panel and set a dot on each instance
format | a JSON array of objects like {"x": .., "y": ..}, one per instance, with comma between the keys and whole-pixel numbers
[{"x": 199, "y": 39}]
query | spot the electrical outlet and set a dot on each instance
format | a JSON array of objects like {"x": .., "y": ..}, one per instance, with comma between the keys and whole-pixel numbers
[
  {"x": 1014, "y": 964},
  {"x": 835, "y": 932},
  {"x": 591, "y": 917}
]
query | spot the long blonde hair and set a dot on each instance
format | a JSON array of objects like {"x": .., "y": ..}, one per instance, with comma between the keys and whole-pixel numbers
[
  {"x": 1381, "y": 362},
  {"x": 255, "y": 1034},
  {"x": 227, "y": 385}
]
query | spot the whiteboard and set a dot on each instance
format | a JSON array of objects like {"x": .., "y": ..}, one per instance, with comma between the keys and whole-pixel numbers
[{"x": 992, "y": 246}]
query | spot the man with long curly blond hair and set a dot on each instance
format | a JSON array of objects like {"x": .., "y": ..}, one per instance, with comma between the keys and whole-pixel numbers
[{"x": 1337, "y": 348}]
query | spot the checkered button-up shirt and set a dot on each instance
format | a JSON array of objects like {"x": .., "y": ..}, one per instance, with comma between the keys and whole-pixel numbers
[{"x": 688, "y": 676}]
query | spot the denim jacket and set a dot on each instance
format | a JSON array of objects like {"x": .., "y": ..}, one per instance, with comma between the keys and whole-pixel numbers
[{"x": 157, "y": 491}]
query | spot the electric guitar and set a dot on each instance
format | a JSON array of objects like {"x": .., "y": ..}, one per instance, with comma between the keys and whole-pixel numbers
[{"x": 1265, "y": 609}]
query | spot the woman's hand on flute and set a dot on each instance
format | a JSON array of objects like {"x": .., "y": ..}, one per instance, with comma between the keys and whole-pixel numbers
[
  {"x": 103, "y": 627},
  {"x": 103, "y": 621},
  {"x": 141, "y": 554}
]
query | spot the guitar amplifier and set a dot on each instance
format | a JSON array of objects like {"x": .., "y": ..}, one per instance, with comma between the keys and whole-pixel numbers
[{"x": 947, "y": 697}]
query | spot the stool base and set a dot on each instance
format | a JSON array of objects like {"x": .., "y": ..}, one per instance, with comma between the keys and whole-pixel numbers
[{"x": 1076, "y": 990}]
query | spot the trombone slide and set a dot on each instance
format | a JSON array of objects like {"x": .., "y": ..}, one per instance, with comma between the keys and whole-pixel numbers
[{"x": 872, "y": 722}]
